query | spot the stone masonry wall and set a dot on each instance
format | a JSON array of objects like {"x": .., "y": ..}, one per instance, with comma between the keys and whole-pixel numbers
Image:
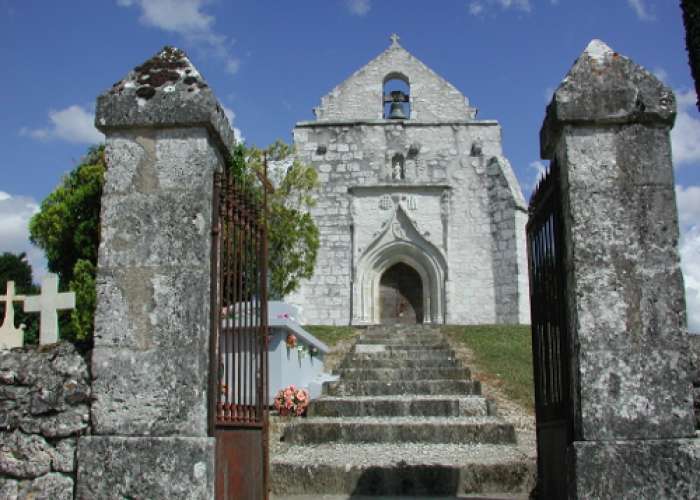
[
  {"x": 45, "y": 399},
  {"x": 353, "y": 158},
  {"x": 360, "y": 96},
  {"x": 462, "y": 213}
]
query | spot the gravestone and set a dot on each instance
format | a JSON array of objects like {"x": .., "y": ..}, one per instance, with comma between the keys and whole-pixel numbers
[
  {"x": 48, "y": 303},
  {"x": 10, "y": 336},
  {"x": 607, "y": 128},
  {"x": 166, "y": 135}
]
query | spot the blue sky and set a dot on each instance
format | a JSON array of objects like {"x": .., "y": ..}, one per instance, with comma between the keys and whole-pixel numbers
[{"x": 269, "y": 62}]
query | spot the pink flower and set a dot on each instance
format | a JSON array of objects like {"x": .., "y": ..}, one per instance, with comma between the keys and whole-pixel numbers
[{"x": 301, "y": 395}]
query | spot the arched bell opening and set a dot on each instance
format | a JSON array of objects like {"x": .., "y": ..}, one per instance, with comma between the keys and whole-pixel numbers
[
  {"x": 401, "y": 295},
  {"x": 396, "y": 99}
]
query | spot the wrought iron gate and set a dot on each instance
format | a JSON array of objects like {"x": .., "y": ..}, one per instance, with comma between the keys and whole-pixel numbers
[
  {"x": 550, "y": 339},
  {"x": 238, "y": 373}
]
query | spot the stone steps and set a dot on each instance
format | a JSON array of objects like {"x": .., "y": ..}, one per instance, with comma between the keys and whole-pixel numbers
[
  {"x": 416, "y": 341},
  {"x": 434, "y": 354},
  {"x": 489, "y": 430},
  {"x": 400, "y": 406},
  {"x": 404, "y": 419},
  {"x": 401, "y": 469},
  {"x": 402, "y": 374},
  {"x": 399, "y": 363},
  {"x": 376, "y": 388}
]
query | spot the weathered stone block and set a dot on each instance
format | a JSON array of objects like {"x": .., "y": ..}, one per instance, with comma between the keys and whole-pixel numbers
[
  {"x": 147, "y": 308},
  {"x": 635, "y": 469},
  {"x": 63, "y": 455},
  {"x": 152, "y": 392},
  {"x": 635, "y": 394},
  {"x": 24, "y": 456},
  {"x": 52, "y": 486},
  {"x": 145, "y": 467},
  {"x": 176, "y": 223},
  {"x": 166, "y": 91},
  {"x": 604, "y": 158},
  {"x": 606, "y": 88}
]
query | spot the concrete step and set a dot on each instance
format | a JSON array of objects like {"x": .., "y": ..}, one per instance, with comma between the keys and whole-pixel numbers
[
  {"x": 461, "y": 430},
  {"x": 399, "y": 363},
  {"x": 375, "y": 388},
  {"x": 368, "y": 351},
  {"x": 399, "y": 406},
  {"x": 398, "y": 341},
  {"x": 375, "y": 347},
  {"x": 405, "y": 469},
  {"x": 403, "y": 374}
]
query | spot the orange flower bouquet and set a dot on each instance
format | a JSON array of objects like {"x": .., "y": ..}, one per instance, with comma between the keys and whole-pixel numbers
[{"x": 291, "y": 401}]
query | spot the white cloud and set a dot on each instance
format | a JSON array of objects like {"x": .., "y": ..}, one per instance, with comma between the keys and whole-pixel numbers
[
  {"x": 688, "y": 199},
  {"x": 187, "y": 19},
  {"x": 478, "y": 7},
  {"x": 539, "y": 169},
  {"x": 690, "y": 263},
  {"x": 73, "y": 124},
  {"x": 232, "y": 65},
  {"x": 549, "y": 94},
  {"x": 358, "y": 7},
  {"x": 641, "y": 10},
  {"x": 15, "y": 212},
  {"x": 685, "y": 136},
  {"x": 231, "y": 115},
  {"x": 661, "y": 74}
]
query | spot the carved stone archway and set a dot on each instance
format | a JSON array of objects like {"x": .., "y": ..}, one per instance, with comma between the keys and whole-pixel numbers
[{"x": 399, "y": 242}]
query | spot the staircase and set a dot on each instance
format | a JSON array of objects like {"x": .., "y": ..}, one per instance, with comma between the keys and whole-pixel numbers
[{"x": 405, "y": 419}]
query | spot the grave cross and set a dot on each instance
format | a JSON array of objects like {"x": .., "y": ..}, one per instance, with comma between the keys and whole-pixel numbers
[
  {"x": 48, "y": 303},
  {"x": 9, "y": 335}
]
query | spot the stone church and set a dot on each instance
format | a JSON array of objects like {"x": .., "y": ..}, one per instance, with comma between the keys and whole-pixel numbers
[{"x": 421, "y": 218}]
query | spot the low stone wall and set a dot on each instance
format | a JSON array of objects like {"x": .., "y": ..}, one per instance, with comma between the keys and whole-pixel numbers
[{"x": 44, "y": 406}]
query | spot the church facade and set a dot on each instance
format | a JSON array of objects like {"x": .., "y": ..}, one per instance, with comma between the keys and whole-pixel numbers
[{"x": 421, "y": 218}]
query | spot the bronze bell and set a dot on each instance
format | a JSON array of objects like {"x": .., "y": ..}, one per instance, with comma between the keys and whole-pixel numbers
[
  {"x": 396, "y": 98},
  {"x": 396, "y": 111}
]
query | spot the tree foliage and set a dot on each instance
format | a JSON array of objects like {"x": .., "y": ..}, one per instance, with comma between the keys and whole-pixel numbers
[
  {"x": 67, "y": 229},
  {"x": 293, "y": 237},
  {"x": 16, "y": 267}
]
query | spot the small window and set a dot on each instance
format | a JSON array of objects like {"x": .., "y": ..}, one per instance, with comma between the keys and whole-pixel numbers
[{"x": 396, "y": 97}]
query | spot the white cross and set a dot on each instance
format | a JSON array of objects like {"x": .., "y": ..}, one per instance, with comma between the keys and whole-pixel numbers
[
  {"x": 9, "y": 335},
  {"x": 47, "y": 304},
  {"x": 394, "y": 39}
]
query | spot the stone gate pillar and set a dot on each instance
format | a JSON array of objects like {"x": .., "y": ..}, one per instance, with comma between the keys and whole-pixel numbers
[
  {"x": 608, "y": 128},
  {"x": 166, "y": 136}
]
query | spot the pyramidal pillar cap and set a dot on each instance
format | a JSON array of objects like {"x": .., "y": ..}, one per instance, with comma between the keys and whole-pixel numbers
[
  {"x": 166, "y": 91},
  {"x": 604, "y": 87}
]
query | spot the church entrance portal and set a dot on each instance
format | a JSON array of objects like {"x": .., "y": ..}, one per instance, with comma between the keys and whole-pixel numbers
[{"x": 401, "y": 295}]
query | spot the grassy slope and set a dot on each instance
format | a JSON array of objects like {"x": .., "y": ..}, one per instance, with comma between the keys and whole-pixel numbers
[
  {"x": 504, "y": 354},
  {"x": 331, "y": 335}
]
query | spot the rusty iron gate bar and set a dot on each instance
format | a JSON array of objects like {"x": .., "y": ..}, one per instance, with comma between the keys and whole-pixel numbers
[
  {"x": 238, "y": 357},
  {"x": 550, "y": 339}
]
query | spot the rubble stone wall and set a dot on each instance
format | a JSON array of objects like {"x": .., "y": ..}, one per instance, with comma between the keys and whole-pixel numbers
[{"x": 45, "y": 400}]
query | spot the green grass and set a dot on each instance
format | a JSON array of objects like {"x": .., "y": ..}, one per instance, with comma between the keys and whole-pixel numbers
[
  {"x": 503, "y": 355},
  {"x": 330, "y": 335}
]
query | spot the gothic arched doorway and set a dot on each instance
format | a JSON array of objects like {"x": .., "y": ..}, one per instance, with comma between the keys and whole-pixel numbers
[{"x": 401, "y": 295}]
